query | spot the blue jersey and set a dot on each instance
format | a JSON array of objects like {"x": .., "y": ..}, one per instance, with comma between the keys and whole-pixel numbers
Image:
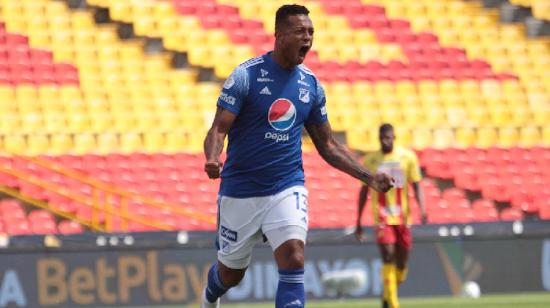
[{"x": 272, "y": 104}]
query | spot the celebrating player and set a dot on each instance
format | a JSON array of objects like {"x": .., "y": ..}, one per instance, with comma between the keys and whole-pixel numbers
[
  {"x": 391, "y": 210},
  {"x": 263, "y": 107}
]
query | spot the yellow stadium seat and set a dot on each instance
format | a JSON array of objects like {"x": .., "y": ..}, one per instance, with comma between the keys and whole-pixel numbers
[
  {"x": 130, "y": 143},
  {"x": 443, "y": 138},
  {"x": 107, "y": 143},
  {"x": 427, "y": 87},
  {"x": 413, "y": 117},
  {"x": 435, "y": 117},
  {"x": 145, "y": 26},
  {"x": 54, "y": 123},
  {"x": 100, "y": 123},
  {"x": 78, "y": 123},
  {"x": 391, "y": 115},
  {"x": 405, "y": 88},
  {"x": 31, "y": 123},
  {"x": 508, "y": 136},
  {"x": 199, "y": 55},
  {"x": 529, "y": 136},
  {"x": 500, "y": 116},
  {"x": 84, "y": 143},
  {"x": 421, "y": 138},
  {"x": 362, "y": 140},
  {"x": 149, "y": 122},
  {"x": 403, "y": 136},
  {"x": 153, "y": 142},
  {"x": 121, "y": 10},
  {"x": 541, "y": 115},
  {"x": 60, "y": 144},
  {"x": 486, "y": 137},
  {"x": 37, "y": 144},
  {"x": 15, "y": 144},
  {"x": 546, "y": 135},
  {"x": 360, "y": 37},
  {"x": 124, "y": 122},
  {"x": 82, "y": 20},
  {"x": 456, "y": 116},
  {"x": 465, "y": 137},
  {"x": 478, "y": 115},
  {"x": 175, "y": 141}
]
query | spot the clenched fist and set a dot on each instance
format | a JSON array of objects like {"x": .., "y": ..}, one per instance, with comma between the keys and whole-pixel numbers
[
  {"x": 382, "y": 182},
  {"x": 213, "y": 169}
]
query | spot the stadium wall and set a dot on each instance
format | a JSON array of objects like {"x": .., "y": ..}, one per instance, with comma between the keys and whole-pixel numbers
[{"x": 107, "y": 270}]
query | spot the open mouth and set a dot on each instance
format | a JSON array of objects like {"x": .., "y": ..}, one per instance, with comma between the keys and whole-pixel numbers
[{"x": 304, "y": 50}]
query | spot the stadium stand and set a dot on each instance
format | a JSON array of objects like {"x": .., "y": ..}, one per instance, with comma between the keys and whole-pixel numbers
[
  {"x": 470, "y": 95},
  {"x": 541, "y": 9},
  {"x": 14, "y": 220}
]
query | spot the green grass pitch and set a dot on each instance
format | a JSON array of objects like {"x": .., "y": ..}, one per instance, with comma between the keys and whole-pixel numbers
[{"x": 521, "y": 300}]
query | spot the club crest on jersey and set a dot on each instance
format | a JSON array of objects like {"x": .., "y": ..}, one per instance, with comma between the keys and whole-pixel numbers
[
  {"x": 304, "y": 95},
  {"x": 229, "y": 83},
  {"x": 282, "y": 114}
]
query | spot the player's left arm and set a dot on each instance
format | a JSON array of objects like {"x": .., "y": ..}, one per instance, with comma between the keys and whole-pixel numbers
[
  {"x": 414, "y": 175},
  {"x": 340, "y": 158},
  {"x": 419, "y": 195}
]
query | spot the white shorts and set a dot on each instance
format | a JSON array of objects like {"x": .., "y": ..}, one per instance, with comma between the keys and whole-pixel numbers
[{"x": 242, "y": 222}]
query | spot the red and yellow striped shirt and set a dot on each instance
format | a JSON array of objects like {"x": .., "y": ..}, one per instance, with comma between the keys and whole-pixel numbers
[{"x": 392, "y": 208}]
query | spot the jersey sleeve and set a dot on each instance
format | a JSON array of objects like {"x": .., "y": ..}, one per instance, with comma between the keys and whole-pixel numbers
[
  {"x": 318, "y": 114},
  {"x": 413, "y": 172},
  {"x": 235, "y": 90}
]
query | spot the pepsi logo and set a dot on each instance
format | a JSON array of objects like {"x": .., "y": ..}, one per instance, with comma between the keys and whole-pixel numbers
[{"x": 282, "y": 114}]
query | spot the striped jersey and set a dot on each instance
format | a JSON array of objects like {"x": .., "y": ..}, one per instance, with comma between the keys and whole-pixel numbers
[{"x": 392, "y": 207}]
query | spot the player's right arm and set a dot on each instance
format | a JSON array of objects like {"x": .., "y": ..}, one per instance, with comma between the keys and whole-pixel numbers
[
  {"x": 213, "y": 143},
  {"x": 232, "y": 97},
  {"x": 362, "y": 201}
]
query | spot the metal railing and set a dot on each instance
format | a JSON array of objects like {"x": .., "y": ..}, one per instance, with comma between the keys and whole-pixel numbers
[{"x": 103, "y": 200}]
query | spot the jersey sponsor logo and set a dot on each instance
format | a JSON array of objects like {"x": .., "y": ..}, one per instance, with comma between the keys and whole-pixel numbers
[
  {"x": 264, "y": 73},
  {"x": 229, "y": 83},
  {"x": 224, "y": 97},
  {"x": 276, "y": 137},
  {"x": 228, "y": 234},
  {"x": 282, "y": 114},
  {"x": 304, "y": 95},
  {"x": 301, "y": 80},
  {"x": 265, "y": 91}
]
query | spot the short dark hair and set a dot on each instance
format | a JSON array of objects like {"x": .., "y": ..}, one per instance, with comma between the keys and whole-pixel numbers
[
  {"x": 384, "y": 128},
  {"x": 288, "y": 10}
]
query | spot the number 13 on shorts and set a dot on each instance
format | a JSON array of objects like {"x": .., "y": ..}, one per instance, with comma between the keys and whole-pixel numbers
[{"x": 301, "y": 201}]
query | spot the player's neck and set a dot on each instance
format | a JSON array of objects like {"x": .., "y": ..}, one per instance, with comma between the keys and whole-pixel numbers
[{"x": 281, "y": 61}]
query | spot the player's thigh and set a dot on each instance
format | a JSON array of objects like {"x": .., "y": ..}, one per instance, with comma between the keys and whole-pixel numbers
[
  {"x": 239, "y": 230},
  {"x": 403, "y": 237},
  {"x": 386, "y": 240},
  {"x": 287, "y": 217},
  {"x": 401, "y": 256}
]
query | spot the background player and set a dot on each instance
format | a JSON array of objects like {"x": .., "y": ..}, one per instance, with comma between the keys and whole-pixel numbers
[
  {"x": 391, "y": 210},
  {"x": 263, "y": 107}
]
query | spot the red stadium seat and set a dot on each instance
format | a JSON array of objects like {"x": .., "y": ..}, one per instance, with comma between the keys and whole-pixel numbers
[
  {"x": 69, "y": 227},
  {"x": 511, "y": 214}
]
